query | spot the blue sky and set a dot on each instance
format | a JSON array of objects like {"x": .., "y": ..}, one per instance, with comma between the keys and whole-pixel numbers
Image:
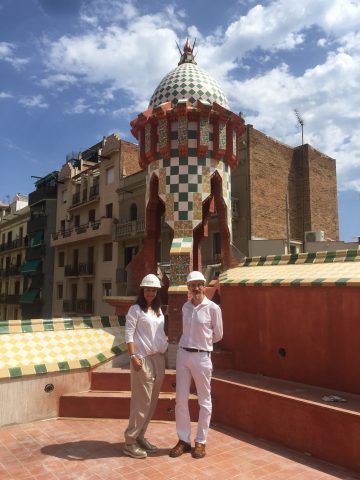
[{"x": 73, "y": 71}]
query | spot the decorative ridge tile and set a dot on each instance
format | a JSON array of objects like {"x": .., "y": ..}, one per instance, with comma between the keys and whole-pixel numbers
[{"x": 350, "y": 255}]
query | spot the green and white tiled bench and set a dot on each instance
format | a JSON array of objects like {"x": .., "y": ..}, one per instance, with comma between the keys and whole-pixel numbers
[{"x": 40, "y": 346}]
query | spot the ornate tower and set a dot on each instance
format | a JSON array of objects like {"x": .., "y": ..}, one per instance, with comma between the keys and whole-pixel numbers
[{"x": 188, "y": 144}]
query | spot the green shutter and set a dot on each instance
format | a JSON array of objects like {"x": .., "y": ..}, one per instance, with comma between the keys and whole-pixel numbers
[
  {"x": 29, "y": 296},
  {"x": 30, "y": 266}
]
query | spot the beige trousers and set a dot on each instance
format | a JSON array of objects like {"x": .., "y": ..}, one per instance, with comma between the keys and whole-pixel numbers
[{"x": 145, "y": 390}]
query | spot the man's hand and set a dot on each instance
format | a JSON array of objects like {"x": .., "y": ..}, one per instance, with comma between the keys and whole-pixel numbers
[{"x": 137, "y": 363}]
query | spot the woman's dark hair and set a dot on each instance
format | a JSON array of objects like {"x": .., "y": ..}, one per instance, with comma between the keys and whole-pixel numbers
[{"x": 155, "y": 304}]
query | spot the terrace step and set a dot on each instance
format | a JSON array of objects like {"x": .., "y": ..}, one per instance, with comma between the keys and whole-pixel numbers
[
  {"x": 290, "y": 413},
  {"x": 110, "y": 393},
  {"x": 116, "y": 404}
]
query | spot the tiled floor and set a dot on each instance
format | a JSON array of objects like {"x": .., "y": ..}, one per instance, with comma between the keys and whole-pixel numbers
[{"x": 72, "y": 449}]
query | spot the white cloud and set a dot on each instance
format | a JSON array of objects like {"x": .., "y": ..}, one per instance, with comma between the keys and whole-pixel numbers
[
  {"x": 5, "y": 95},
  {"x": 33, "y": 101},
  {"x": 7, "y": 54}
]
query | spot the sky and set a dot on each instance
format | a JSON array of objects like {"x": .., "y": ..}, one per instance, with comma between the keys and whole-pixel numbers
[{"x": 73, "y": 71}]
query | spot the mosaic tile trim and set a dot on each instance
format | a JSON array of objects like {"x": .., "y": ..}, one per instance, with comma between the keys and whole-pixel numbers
[
  {"x": 188, "y": 81},
  {"x": 147, "y": 138},
  {"x": 35, "y": 347},
  {"x": 222, "y": 136},
  {"x": 341, "y": 268}
]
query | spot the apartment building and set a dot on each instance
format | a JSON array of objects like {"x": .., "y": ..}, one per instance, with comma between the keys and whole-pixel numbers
[
  {"x": 85, "y": 260},
  {"x": 14, "y": 241},
  {"x": 39, "y": 259}
]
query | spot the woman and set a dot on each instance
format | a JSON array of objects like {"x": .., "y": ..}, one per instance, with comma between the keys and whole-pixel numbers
[{"x": 146, "y": 343}]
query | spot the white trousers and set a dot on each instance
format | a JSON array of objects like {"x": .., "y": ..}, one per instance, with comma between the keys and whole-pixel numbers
[{"x": 196, "y": 365}]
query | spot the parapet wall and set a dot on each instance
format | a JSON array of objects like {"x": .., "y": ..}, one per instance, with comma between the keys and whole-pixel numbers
[{"x": 276, "y": 327}]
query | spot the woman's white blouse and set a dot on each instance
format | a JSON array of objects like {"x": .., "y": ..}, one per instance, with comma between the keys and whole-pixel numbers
[{"x": 146, "y": 330}]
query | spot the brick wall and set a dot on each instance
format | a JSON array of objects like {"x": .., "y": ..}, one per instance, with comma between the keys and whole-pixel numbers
[
  {"x": 323, "y": 193},
  {"x": 129, "y": 158},
  {"x": 306, "y": 175},
  {"x": 273, "y": 173}
]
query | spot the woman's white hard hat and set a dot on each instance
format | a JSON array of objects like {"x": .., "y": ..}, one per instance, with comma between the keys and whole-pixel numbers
[
  {"x": 195, "y": 276},
  {"x": 151, "y": 281}
]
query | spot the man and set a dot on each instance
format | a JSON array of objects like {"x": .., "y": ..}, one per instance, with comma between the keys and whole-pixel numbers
[{"x": 202, "y": 326}]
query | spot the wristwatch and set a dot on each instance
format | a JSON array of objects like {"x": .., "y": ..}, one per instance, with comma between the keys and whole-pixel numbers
[{"x": 132, "y": 356}]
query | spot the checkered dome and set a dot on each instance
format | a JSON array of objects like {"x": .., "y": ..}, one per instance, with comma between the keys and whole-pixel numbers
[{"x": 190, "y": 82}]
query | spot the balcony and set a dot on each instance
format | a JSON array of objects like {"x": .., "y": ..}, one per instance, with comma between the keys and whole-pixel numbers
[
  {"x": 42, "y": 194},
  {"x": 129, "y": 229},
  {"x": 11, "y": 270},
  {"x": 80, "y": 270},
  {"x": 18, "y": 243},
  {"x": 12, "y": 299},
  {"x": 81, "y": 306},
  {"x": 91, "y": 230}
]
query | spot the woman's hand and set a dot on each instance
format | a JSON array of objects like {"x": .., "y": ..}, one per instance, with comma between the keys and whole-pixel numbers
[{"x": 137, "y": 363}]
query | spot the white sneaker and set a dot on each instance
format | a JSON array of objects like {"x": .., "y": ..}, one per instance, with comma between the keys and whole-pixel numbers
[{"x": 134, "y": 451}]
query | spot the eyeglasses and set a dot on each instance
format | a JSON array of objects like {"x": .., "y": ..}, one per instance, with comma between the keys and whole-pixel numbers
[{"x": 196, "y": 285}]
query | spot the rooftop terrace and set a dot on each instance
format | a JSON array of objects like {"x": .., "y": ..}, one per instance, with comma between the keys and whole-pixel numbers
[{"x": 83, "y": 449}]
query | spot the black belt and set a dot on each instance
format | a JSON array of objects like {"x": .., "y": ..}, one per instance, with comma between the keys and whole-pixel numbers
[{"x": 194, "y": 350}]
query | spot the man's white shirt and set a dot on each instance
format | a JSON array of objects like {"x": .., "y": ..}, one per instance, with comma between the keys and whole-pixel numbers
[{"x": 202, "y": 325}]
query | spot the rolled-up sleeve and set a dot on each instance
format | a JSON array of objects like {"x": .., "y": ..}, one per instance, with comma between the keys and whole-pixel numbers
[
  {"x": 217, "y": 324},
  {"x": 130, "y": 324}
]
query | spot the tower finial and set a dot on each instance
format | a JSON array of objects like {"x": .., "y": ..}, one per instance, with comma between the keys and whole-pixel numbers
[{"x": 187, "y": 56}]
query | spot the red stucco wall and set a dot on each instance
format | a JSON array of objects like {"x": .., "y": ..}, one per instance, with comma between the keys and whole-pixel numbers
[{"x": 319, "y": 328}]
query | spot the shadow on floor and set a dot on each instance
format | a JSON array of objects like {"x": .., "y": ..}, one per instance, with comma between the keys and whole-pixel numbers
[{"x": 90, "y": 449}]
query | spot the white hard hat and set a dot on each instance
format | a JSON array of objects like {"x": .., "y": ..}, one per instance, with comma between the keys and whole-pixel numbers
[
  {"x": 150, "y": 280},
  {"x": 193, "y": 276}
]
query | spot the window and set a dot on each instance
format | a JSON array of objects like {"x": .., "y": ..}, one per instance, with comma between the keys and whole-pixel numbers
[
  {"x": 59, "y": 291},
  {"x": 133, "y": 212},
  {"x": 61, "y": 259},
  {"x": 77, "y": 220},
  {"x": 62, "y": 226},
  {"x": 110, "y": 175},
  {"x": 107, "y": 289},
  {"x": 109, "y": 210},
  {"x": 63, "y": 196},
  {"x": 91, "y": 216},
  {"x": 107, "y": 252}
]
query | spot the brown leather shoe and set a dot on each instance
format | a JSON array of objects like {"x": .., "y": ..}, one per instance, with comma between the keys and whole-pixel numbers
[
  {"x": 199, "y": 450},
  {"x": 180, "y": 448}
]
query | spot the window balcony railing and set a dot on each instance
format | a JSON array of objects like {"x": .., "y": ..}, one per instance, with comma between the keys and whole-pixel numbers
[
  {"x": 81, "y": 269},
  {"x": 12, "y": 299},
  {"x": 130, "y": 228},
  {"x": 11, "y": 270},
  {"x": 81, "y": 306},
  {"x": 17, "y": 243}
]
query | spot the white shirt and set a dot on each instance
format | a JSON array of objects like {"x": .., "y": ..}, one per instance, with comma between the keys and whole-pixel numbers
[
  {"x": 146, "y": 330},
  {"x": 202, "y": 325}
]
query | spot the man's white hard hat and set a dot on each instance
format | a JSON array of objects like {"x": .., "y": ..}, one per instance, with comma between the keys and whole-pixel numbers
[
  {"x": 151, "y": 281},
  {"x": 195, "y": 276}
]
